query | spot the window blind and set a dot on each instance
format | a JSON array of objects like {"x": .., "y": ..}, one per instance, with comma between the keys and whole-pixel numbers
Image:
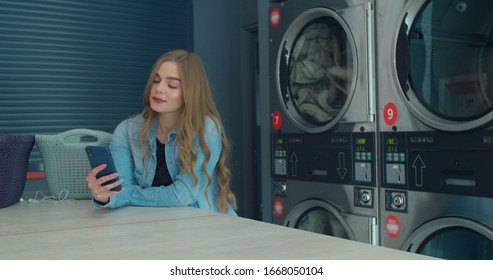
[{"x": 68, "y": 64}]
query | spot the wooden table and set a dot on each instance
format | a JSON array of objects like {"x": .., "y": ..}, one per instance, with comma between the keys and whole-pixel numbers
[{"x": 78, "y": 231}]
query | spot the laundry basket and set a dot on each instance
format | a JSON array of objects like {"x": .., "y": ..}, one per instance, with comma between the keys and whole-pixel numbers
[
  {"x": 65, "y": 161},
  {"x": 14, "y": 157}
]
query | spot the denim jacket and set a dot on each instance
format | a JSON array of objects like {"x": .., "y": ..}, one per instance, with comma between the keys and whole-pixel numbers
[{"x": 127, "y": 154}]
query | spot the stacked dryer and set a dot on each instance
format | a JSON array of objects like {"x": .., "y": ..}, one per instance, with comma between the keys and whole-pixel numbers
[
  {"x": 435, "y": 88},
  {"x": 323, "y": 117}
]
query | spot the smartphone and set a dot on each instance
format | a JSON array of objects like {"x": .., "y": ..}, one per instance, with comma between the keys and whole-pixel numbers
[{"x": 98, "y": 155}]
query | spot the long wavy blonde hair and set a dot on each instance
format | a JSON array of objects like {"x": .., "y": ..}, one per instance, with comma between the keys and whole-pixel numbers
[{"x": 198, "y": 105}]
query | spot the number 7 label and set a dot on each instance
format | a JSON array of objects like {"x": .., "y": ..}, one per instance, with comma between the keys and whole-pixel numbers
[{"x": 276, "y": 120}]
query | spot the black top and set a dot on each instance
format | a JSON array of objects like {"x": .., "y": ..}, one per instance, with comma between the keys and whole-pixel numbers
[{"x": 162, "y": 177}]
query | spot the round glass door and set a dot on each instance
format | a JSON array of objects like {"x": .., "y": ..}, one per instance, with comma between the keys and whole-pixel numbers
[
  {"x": 457, "y": 244},
  {"x": 321, "y": 221},
  {"x": 315, "y": 70},
  {"x": 318, "y": 217},
  {"x": 452, "y": 238},
  {"x": 450, "y": 73}
]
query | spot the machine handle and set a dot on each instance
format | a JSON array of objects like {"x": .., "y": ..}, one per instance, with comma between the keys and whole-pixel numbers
[
  {"x": 402, "y": 56},
  {"x": 283, "y": 74},
  {"x": 370, "y": 35}
]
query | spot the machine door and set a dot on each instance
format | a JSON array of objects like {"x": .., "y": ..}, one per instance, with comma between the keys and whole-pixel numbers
[
  {"x": 447, "y": 72},
  {"x": 322, "y": 62},
  {"x": 452, "y": 238},
  {"x": 323, "y": 217}
]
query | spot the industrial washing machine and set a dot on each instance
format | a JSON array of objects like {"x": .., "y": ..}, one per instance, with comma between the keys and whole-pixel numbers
[
  {"x": 323, "y": 108},
  {"x": 435, "y": 100}
]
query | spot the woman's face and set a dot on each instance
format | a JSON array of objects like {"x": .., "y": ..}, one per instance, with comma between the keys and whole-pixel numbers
[{"x": 166, "y": 93}]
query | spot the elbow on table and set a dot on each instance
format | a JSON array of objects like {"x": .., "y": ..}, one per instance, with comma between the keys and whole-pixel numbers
[{"x": 173, "y": 196}]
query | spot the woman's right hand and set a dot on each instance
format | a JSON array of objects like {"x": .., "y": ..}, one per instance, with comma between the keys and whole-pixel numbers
[{"x": 98, "y": 191}]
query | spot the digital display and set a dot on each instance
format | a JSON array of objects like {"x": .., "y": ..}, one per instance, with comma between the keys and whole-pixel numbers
[
  {"x": 360, "y": 141},
  {"x": 279, "y": 141},
  {"x": 392, "y": 141}
]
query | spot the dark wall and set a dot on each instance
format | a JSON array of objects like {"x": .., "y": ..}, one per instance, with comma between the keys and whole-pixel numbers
[{"x": 223, "y": 35}]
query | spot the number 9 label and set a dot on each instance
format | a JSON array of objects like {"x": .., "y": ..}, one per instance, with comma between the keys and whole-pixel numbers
[{"x": 390, "y": 113}]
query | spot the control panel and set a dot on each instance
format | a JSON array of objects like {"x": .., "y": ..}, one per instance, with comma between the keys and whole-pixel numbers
[
  {"x": 363, "y": 157},
  {"x": 341, "y": 158},
  {"x": 394, "y": 154},
  {"x": 434, "y": 161},
  {"x": 279, "y": 150}
]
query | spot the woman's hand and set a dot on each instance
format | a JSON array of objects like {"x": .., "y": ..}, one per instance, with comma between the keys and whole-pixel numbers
[{"x": 99, "y": 192}]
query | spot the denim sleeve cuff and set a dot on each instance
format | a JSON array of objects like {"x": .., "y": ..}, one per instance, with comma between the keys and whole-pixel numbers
[{"x": 99, "y": 204}]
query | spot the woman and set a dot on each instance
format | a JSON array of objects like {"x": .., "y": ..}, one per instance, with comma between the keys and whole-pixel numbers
[{"x": 175, "y": 152}]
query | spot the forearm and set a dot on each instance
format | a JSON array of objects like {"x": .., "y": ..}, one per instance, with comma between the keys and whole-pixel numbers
[{"x": 182, "y": 192}]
